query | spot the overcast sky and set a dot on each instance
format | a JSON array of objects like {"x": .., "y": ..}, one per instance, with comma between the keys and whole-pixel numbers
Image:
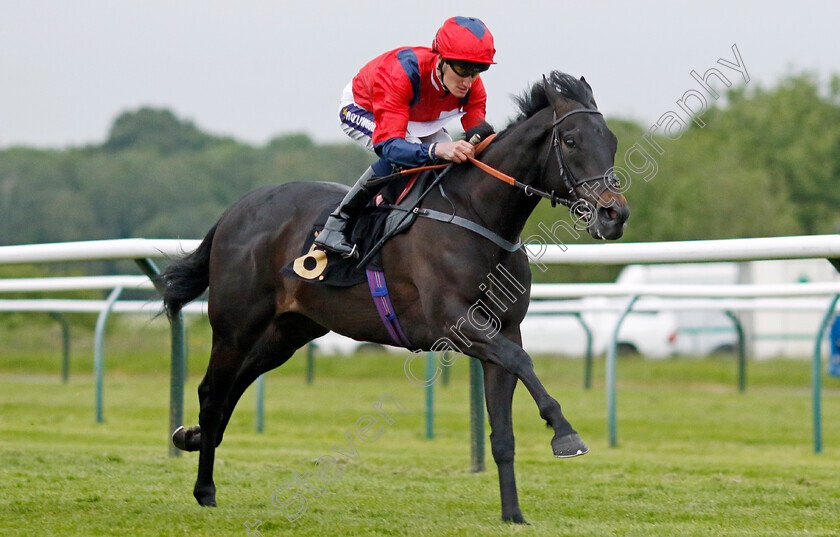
[{"x": 255, "y": 69}]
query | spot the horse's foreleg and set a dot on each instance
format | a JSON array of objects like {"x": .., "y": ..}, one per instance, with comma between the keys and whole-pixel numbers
[
  {"x": 566, "y": 441},
  {"x": 502, "y": 351},
  {"x": 498, "y": 393}
]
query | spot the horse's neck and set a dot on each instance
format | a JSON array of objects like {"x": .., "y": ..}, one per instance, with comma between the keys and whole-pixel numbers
[{"x": 500, "y": 207}]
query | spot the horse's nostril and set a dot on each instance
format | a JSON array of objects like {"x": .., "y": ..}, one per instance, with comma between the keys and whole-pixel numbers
[
  {"x": 608, "y": 214},
  {"x": 615, "y": 214}
]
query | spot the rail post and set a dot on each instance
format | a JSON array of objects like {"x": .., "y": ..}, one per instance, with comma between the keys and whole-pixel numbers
[
  {"x": 742, "y": 351},
  {"x": 99, "y": 351},
  {"x": 476, "y": 416},
  {"x": 612, "y": 355},
  {"x": 178, "y": 354},
  {"x": 431, "y": 363},
  {"x": 65, "y": 345}
]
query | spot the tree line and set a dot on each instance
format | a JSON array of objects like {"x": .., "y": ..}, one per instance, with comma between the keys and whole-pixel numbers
[
  {"x": 766, "y": 163},
  {"x": 155, "y": 176}
]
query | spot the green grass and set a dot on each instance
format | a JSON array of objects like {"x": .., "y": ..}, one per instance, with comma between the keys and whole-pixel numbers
[{"x": 695, "y": 457}]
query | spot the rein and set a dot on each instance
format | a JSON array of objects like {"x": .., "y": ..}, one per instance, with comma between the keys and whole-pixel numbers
[
  {"x": 528, "y": 189},
  {"x": 570, "y": 181}
]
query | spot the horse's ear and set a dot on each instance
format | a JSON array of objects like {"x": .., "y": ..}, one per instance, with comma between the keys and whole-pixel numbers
[
  {"x": 586, "y": 83},
  {"x": 591, "y": 94}
]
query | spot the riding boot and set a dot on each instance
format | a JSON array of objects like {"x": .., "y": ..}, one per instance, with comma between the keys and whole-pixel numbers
[{"x": 335, "y": 235}]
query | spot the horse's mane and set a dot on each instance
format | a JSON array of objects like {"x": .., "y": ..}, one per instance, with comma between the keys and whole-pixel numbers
[{"x": 534, "y": 99}]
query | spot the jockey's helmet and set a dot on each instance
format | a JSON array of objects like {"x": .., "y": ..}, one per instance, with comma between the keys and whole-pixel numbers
[{"x": 466, "y": 39}]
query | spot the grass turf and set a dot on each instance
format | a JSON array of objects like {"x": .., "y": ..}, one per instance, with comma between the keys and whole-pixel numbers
[{"x": 695, "y": 457}]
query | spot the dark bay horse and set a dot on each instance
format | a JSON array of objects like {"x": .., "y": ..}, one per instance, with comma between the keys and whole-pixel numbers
[{"x": 559, "y": 147}]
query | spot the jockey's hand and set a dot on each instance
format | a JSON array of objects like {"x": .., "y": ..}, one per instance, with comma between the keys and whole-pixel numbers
[
  {"x": 454, "y": 151},
  {"x": 482, "y": 131}
]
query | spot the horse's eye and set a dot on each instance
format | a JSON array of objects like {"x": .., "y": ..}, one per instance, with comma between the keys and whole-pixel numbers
[{"x": 570, "y": 142}]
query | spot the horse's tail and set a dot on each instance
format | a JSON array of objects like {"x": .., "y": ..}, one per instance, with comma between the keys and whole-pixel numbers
[{"x": 186, "y": 278}]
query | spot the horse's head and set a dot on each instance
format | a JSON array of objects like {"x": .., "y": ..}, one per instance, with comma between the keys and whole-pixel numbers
[{"x": 579, "y": 153}]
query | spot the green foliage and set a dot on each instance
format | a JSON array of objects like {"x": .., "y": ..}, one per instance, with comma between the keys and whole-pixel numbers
[
  {"x": 155, "y": 129},
  {"x": 155, "y": 176},
  {"x": 704, "y": 191},
  {"x": 792, "y": 133},
  {"x": 766, "y": 163}
]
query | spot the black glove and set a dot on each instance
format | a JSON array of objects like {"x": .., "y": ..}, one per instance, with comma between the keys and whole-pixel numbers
[{"x": 482, "y": 130}]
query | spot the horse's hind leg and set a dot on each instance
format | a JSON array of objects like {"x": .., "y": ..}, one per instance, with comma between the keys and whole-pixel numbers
[
  {"x": 498, "y": 393},
  {"x": 289, "y": 332},
  {"x": 189, "y": 438},
  {"x": 257, "y": 363},
  {"x": 225, "y": 360},
  {"x": 236, "y": 329},
  {"x": 222, "y": 387}
]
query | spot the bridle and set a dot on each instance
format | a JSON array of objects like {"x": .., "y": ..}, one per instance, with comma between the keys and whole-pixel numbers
[{"x": 569, "y": 180}]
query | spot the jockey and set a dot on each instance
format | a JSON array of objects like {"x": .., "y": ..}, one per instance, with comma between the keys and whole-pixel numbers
[{"x": 398, "y": 104}]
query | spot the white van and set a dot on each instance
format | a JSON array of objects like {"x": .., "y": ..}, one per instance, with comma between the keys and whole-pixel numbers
[
  {"x": 653, "y": 335},
  {"x": 700, "y": 332},
  {"x": 788, "y": 333}
]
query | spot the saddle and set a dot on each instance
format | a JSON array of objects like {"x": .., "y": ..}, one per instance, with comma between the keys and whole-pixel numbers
[{"x": 389, "y": 214}]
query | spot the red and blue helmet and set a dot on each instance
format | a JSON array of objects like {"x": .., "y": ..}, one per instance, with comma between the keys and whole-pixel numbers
[{"x": 465, "y": 38}]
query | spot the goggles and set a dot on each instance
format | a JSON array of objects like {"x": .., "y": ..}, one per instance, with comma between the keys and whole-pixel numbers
[{"x": 466, "y": 69}]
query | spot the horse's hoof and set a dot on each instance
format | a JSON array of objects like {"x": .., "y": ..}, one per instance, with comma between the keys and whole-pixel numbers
[
  {"x": 515, "y": 519},
  {"x": 187, "y": 439},
  {"x": 568, "y": 446},
  {"x": 205, "y": 496},
  {"x": 179, "y": 438},
  {"x": 207, "y": 502}
]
